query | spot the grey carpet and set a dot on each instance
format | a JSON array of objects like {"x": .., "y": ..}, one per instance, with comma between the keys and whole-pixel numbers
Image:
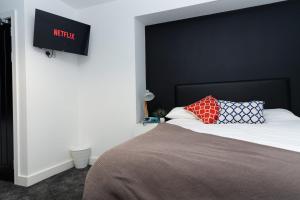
[{"x": 65, "y": 186}]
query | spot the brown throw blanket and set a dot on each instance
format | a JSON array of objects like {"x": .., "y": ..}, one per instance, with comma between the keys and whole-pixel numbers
[{"x": 172, "y": 163}]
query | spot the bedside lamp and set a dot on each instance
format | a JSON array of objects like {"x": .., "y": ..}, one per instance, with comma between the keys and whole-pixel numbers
[{"x": 149, "y": 96}]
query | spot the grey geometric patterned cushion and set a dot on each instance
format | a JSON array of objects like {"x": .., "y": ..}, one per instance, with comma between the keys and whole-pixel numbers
[{"x": 241, "y": 112}]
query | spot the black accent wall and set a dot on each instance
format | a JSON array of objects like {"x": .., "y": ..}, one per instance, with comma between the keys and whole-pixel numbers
[{"x": 249, "y": 44}]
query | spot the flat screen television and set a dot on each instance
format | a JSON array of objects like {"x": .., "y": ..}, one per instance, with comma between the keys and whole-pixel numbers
[{"x": 58, "y": 33}]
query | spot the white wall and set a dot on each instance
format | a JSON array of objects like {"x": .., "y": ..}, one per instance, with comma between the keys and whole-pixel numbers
[
  {"x": 107, "y": 80},
  {"x": 51, "y": 96},
  {"x": 140, "y": 69}
]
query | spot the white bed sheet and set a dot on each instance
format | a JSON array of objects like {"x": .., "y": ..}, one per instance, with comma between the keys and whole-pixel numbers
[{"x": 282, "y": 134}]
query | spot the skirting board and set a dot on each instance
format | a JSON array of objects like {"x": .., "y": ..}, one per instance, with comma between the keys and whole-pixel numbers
[{"x": 32, "y": 179}]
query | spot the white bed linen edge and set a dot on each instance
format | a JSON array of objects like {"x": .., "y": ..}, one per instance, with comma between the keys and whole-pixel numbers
[{"x": 283, "y": 134}]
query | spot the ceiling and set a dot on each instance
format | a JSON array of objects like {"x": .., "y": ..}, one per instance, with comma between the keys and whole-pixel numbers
[
  {"x": 208, "y": 8},
  {"x": 211, "y": 7},
  {"x": 84, "y": 3}
]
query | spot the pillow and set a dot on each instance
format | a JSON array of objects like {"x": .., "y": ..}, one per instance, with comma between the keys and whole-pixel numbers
[
  {"x": 207, "y": 110},
  {"x": 180, "y": 113},
  {"x": 241, "y": 112},
  {"x": 278, "y": 115}
]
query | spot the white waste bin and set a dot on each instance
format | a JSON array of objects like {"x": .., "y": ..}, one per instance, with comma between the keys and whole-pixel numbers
[{"x": 81, "y": 157}]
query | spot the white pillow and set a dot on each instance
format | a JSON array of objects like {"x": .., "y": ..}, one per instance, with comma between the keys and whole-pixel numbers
[
  {"x": 277, "y": 115},
  {"x": 180, "y": 113}
]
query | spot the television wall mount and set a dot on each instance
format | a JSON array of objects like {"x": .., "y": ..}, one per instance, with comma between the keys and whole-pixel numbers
[{"x": 50, "y": 53}]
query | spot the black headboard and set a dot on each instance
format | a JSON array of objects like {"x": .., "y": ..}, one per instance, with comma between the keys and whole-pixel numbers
[{"x": 275, "y": 92}]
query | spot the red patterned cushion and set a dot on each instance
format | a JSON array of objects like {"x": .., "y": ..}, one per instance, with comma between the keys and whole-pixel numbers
[{"x": 207, "y": 110}]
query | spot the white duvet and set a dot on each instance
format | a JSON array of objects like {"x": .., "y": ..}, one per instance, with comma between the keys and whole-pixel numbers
[{"x": 281, "y": 130}]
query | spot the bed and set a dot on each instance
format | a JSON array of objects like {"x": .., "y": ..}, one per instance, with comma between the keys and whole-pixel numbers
[{"x": 184, "y": 159}]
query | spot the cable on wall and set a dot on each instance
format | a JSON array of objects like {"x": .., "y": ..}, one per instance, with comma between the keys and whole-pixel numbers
[{"x": 50, "y": 53}]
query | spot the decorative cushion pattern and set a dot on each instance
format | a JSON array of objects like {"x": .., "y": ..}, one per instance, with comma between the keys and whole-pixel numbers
[
  {"x": 207, "y": 110},
  {"x": 241, "y": 112}
]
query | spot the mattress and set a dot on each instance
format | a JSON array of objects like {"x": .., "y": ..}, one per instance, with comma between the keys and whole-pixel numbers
[
  {"x": 174, "y": 163},
  {"x": 284, "y": 134}
]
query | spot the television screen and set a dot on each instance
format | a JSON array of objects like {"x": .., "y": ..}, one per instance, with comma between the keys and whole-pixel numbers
[{"x": 58, "y": 33}]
